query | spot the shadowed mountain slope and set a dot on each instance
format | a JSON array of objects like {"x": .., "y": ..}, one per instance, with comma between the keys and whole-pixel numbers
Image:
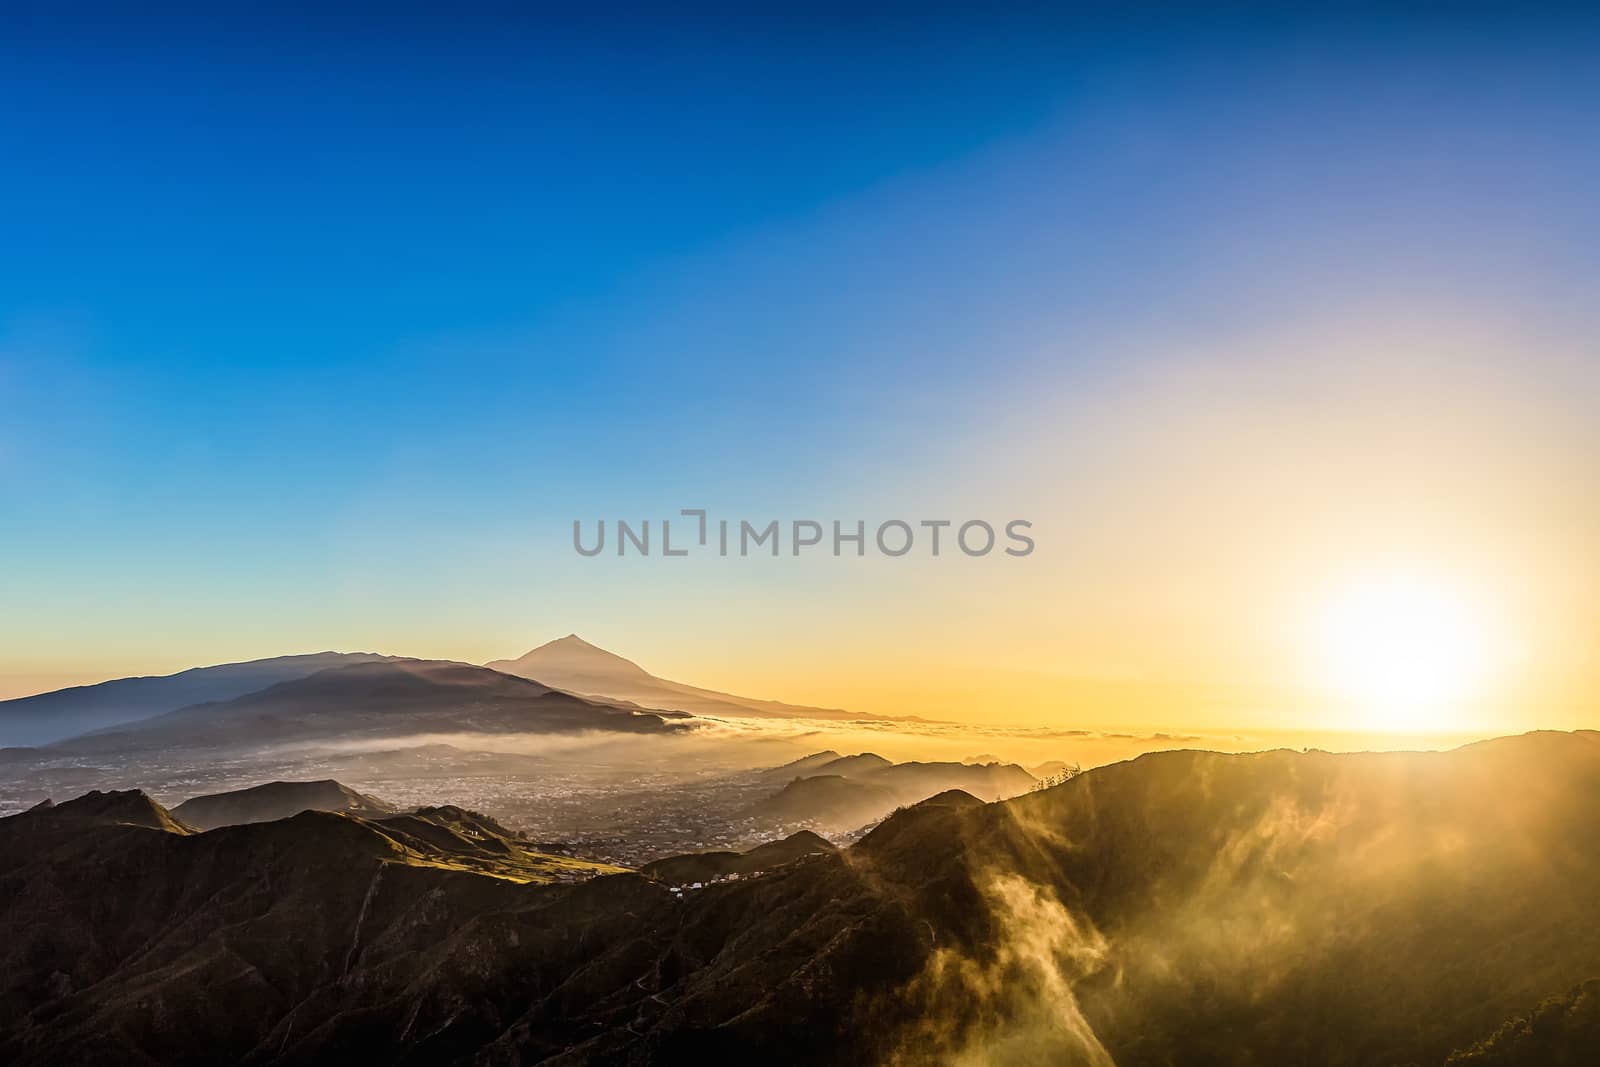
[
  {"x": 276, "y": 800},
  {"x": 47, "y": 717},
  {"x": 224, "y": 933},
  {"x": 1562, "y": 1031},
  {"x": 852, "y": 791},
  {"x": 1182, "y": 908},
  {"x": 375, "y": 700},
  {"x": 127, "y": 807},
  {"x": 455, "y": 838},
  {"x": 1282, "y": 907},
  {"x": 704, "y": 866}
]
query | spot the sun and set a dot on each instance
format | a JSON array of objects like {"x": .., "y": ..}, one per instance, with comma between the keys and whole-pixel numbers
[{"x": 1405, "y": 650}]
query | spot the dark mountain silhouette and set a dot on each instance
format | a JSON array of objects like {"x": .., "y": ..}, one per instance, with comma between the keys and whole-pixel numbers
[
  {"x": 852, "y": 791},
  {"x": 573, "y": 664},
  {"x": 373, "y": 700},
  {"x": 802, "y": 766},
  {"x": 828, "y": 800},
  {"x": 1181, "y": 908},
  {"x": 1563, "y": 1031},
  {"x": 856, "y": 766},
  {"x": 47, "y": 717},
  {"x": 704, "y": 866},
  {"x": 128, "y": 807},
  {"x": 456, "y": 837},
  {"x": 989, "y": 781},
  {"x": 276, "y": 800}
]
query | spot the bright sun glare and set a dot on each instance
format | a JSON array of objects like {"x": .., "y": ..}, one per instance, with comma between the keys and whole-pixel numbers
[{"x": 1406, "y": 651}]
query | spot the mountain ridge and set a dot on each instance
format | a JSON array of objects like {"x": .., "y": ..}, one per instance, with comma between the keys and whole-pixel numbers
[
  {"x": 1183, "y": 906},
  {"x": 379, "y": 699},
  {"x": 704, "y": 866},
  {"x": 270, "y": 801},
  {"x": 577, "y": 666},
  {"x": 43, "y": 718},
  {"x": 852, "y": 791}
]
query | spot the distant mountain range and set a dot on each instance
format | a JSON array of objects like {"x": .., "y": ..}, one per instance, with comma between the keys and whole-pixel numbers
[
  {"x": 801, "y": 767},
  {"x": 47, "y": 717},
  {"x": 570, "y": 666},
  {"x": 847, "y": 792},
  {"x": 575, "y": 665},
  {"x": 386, "y": 699},
  {"x": 1182, "y": 908}
]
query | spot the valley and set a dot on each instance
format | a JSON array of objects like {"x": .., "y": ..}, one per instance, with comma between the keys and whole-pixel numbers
[
  {"x": 609, "y": 779},
  {"x": 442, "y": 863},
  {"x": 1184, "y": 906}
]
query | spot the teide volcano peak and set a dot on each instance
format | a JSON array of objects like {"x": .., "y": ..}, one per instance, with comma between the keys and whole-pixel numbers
[{"x": 572, "y": 664}]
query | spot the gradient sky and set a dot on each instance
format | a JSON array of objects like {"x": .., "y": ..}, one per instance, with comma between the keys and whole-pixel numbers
[{"x": 318, "y": 332}]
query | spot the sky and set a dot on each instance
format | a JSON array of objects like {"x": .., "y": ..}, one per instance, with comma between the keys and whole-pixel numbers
[{"x": 319, "y": 332}]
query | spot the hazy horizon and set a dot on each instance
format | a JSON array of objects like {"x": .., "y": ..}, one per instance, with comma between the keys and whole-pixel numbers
[{"x": 1083, "y": 741}]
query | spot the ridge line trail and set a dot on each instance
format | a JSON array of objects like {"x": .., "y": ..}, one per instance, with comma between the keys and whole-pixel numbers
[{"x": 361, "y": 916}]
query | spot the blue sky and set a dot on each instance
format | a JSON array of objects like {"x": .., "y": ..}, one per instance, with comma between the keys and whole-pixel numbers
[{"x": 318, "y": 331}]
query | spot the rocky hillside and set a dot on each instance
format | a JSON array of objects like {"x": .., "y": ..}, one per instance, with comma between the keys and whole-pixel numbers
[
  {"x": 704, "y": 866},
  {"x": 1182, "y": 908},
  {"x": 276, "y": 800}
]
